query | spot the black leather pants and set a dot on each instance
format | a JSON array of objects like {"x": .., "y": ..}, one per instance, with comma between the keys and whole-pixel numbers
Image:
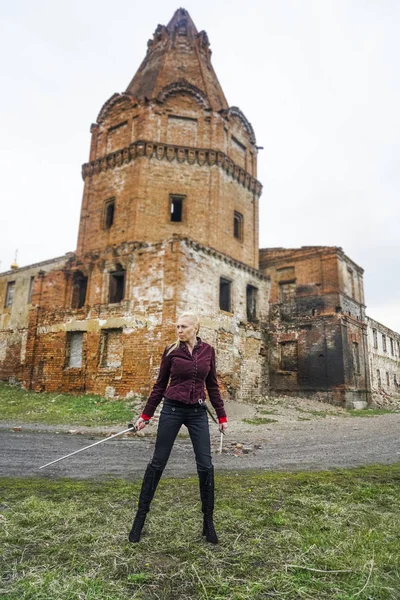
[{"x": 173, "y": 415}]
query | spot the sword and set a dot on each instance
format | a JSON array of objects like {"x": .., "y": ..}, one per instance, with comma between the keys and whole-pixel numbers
[
  {"x": 130, "y": 428},
  {"x": 209, "y": 412}
]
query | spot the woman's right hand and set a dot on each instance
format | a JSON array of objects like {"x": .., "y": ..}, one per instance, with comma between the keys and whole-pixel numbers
[{"x": 140, "y": 424}]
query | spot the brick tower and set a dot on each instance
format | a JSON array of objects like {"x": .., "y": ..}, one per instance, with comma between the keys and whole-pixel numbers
[
  {"x": 169, "y": 222},
  {"x": 169, "y": 156}
]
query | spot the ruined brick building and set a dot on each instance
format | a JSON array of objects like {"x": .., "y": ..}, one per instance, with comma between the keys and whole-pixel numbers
[{"x": 169, "y": 222}]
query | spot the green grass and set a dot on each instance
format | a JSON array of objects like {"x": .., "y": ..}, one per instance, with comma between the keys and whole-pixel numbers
[
  {"x": 369, "y": 412},
  {"x": 259, "y": 421},
  {"x": 324, "y": 536},
  {"x": 57, "y": 409}
]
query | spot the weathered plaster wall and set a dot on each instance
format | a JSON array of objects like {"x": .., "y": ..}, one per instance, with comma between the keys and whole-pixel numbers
[
  {"x": 384, "y": 358},
  {"x": 161, "y": 280},
  {"x": 240, "y": 344}
]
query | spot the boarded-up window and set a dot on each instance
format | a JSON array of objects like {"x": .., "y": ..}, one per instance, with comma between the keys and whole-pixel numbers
[
  {"x": 79, "y": 288},
  {"x": 182, "y": 131},
  {"x": 375, "y": 338},
  {"x": 117, "y": 287},
  {"x": 111, "y": 348},
  {"x": 288, "y": 356},
  {"x": 237, "y": 152},
  {"x": 117, "y": 137},
  {"x": 225, "y": 294},
  {"x": 351, "y": 277},
  {"x": 74, "y": 349},
  {"x": 287, "y": 291},
  {"x": 31, "y": 280},
  {"x": 251, "y": 303},
  {"x": 9, "y": 294},
  {"x": 356, "y": 357},
  {"x": 238, "y": 225},
  {"x": 108, "y": 214},
  {"x": 285, "y": 274}
]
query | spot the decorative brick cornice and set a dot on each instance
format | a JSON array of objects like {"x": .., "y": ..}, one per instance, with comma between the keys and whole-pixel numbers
[
  {"x": 115, "y": 99},
  {"x": 182, "y": 154},
  {"x": 234, "y": 111},
  {"x": 223, "y": 257},
  {"x": 123, "y": 250},
  {"x": 183, "y": 87}
]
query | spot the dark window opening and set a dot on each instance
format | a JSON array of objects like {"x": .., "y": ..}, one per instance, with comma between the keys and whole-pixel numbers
[
  {"x": 384, "y": 343},
  {"x": 387, "y": 379},
  {"x": 79, "y": 289},
  {"x": 391, "y": 347},
  {"x": 356, "y": 357},
  {"x": 9, "y": 294},
  {"x": 289, "y": 356},
  {"x": 238, "y": 225},
  {"x": 251, "y": 303},
  {"x": 176, "y": 208},
  {"x": 378, "y": 377},
  {"x": 225, "y": 294},
  {"x": 109, "y": 210},
  {"x": 375, "y": 338},
  {"x": 32, "y": 279},
  {"x": 117, "y": 287}
]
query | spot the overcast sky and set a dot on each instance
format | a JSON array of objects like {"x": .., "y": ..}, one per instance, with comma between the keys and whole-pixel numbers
[{"x": 318, "y": 79}]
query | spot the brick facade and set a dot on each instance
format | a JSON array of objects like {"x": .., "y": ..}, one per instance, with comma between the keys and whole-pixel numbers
[
  {"x": 169, "y": 222},
  {"x": 17, "y": 292},
  {"x": 317, "y": 329}
]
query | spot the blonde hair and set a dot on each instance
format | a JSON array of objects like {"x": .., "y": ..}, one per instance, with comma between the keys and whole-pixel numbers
[{"x": 187, "y": 315}]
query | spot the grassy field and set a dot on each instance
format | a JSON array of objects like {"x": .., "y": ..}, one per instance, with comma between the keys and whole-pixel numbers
[
  {"x": 89, "y": 410},
  {"x": 58, "y": 409},
  {"x": 285, "y": 536}
]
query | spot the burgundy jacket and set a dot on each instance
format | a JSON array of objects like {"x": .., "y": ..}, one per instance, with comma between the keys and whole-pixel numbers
[{"x": 187, "y": 373}]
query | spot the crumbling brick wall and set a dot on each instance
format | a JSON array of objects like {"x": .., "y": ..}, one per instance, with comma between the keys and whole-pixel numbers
[
  {"x": 14, "y": 314},
  {"x": 317, "y": 331},
  {"x": 121, "y": 344},
  {"x": 384, "y": 357}
]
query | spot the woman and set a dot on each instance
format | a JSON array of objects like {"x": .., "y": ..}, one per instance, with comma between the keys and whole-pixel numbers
[{"x": 187, "y": 364}]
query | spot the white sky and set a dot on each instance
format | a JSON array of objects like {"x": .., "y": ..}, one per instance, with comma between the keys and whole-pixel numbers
[{"x": 318, "y": 79}]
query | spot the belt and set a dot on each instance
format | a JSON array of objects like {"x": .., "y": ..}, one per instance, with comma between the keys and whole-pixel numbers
[{"x": 179, "y": 403}]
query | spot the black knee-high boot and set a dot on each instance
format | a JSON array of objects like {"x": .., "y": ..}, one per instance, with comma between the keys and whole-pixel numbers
[
  {"x": 149, "y": 485},
  {"x": 206, "y": 481}
]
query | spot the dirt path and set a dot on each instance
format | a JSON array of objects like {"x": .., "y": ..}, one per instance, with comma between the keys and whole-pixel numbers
[{"x": 320, "y": 443}]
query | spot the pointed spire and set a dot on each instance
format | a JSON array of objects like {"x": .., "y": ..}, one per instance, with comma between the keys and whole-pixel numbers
[
  {"x": 178, "y": 54},
  {"x": 182, "y": 18}
]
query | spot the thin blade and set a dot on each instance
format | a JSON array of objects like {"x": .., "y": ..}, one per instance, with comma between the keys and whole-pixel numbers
[{"x": 131, "y": 428}]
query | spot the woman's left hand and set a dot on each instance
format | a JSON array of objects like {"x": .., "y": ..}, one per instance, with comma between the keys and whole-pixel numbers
[{"x": 223, "y": 427}]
